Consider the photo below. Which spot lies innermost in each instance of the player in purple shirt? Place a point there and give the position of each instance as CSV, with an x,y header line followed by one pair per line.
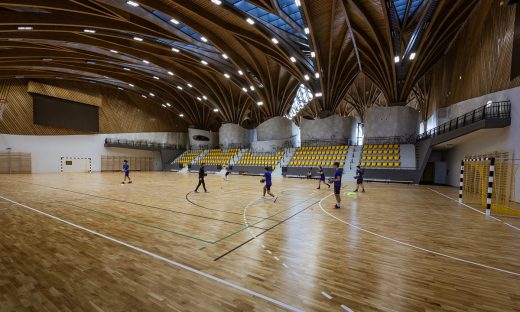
x,y
337,184
126,170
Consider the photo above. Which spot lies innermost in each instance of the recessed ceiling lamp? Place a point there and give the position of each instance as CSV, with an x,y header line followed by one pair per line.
x,y
274,40
132,3
156,78
92,31
203,39
204,62
396,59
176,22
293,59
25,28
260,103
250,21
217,2
138,39
176,50
412,56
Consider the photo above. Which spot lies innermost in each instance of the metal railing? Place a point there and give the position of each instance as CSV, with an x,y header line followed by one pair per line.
x,y
142,144
495,110
326,142
390,140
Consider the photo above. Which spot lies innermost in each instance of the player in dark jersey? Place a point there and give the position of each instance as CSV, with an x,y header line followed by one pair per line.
x,y
202,174
337,184
126,170
268,183
359,179
322,177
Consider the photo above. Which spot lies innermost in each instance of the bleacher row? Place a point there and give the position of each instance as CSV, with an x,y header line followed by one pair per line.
x,y
381,155
313,156
188,157
249,159
219,157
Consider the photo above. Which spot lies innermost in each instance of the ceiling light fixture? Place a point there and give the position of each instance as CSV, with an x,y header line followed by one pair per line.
x,y
396,59
114,51
146,62
179,87
313,54
319,94
306,77
215,110
224,55
244,89
227,75
306,30
204,97
138,39
293,59
151,94
260,103
176,22
168,104
252,88
203,39
131,85
176,50
412,56
189,85
199,99
132,3
204,62
274,40
181,115
241,73
317,75
156,78
25,28
250,21
170,73
92,31
126,68
217,2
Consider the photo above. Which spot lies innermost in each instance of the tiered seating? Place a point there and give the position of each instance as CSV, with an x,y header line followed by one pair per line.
x,y
188,157
219,157
381,156
252,160
313,156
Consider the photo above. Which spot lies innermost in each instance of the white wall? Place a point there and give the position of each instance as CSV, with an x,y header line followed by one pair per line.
x,y
391,121
213,138
502,140
334,127
46,151
233,134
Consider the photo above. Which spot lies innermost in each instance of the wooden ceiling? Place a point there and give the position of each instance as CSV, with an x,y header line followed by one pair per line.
x,y
224,76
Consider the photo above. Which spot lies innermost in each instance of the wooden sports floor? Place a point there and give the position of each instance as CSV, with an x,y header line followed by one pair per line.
x,y
84,242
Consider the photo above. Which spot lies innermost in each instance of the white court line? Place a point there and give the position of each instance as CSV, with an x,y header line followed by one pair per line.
x,y
344,307
495,218
326,295
158,257
413,246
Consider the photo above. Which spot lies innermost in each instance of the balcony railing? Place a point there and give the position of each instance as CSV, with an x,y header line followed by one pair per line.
x,y
141,144
495,110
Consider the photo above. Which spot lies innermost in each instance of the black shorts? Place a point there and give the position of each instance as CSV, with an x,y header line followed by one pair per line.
x,y
359,181
227,173
337,189
127,173
268,187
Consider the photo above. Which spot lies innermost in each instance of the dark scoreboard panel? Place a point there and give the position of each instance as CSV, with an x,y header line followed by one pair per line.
x,y
515,64
59,113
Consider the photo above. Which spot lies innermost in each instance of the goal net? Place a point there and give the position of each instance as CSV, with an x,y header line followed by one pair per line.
x,y
476,182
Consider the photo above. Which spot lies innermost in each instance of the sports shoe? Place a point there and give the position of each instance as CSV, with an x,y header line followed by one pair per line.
x,y
317,188
355,191
336,207
276,198
129,182
329,185
363,191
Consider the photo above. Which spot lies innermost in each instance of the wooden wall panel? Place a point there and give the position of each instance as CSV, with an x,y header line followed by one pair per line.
x,y
15,163
120,112
64,93
479,60
115,163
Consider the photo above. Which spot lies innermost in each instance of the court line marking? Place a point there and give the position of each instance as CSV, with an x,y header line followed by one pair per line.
x,y
158,257
344,307
326,295
414,246
475,209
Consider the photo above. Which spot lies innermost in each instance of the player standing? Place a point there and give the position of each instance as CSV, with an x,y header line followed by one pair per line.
x,y
322,177
202,174
228,172
126,170
359,179
337,184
